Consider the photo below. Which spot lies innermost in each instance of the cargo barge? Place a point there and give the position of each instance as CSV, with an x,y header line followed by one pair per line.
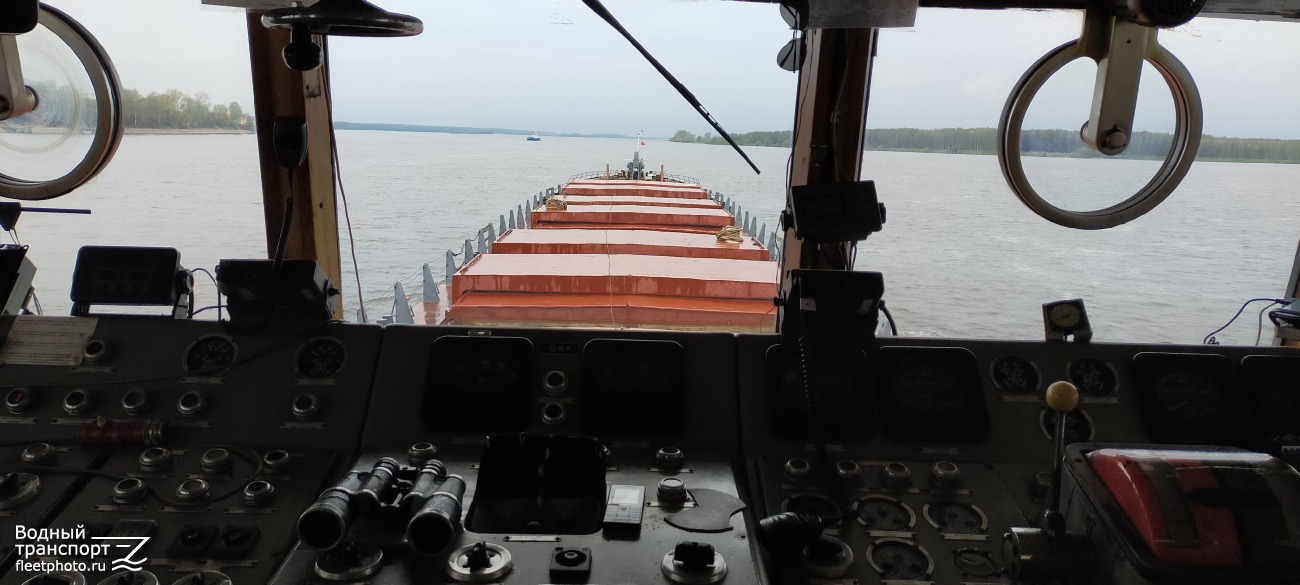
x,y
632,249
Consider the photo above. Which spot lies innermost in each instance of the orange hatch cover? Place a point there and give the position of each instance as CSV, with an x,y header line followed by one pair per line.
x,y
619,274
637,200
636,188
603,310
634,214
685,229
640,242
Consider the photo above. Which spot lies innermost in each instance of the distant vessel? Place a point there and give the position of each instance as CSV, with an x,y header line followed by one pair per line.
x,y
534,138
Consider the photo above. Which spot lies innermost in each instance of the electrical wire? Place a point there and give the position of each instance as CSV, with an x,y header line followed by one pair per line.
x,y
205,271
337,177
214,286
1260,333
240,451
808,377
1210,340
892,327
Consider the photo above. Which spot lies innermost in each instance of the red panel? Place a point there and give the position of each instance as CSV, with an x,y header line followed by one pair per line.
x,y
618,274
638,200
1216,541
637,214
564,225
638,188
646,243
479,308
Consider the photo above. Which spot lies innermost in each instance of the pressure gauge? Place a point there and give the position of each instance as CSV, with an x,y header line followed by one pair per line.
x,y
895,558
884,513
211,352
1064,316
320,357
955,517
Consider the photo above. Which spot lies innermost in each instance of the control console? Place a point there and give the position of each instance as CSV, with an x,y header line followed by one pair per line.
x,y
198,444
337,453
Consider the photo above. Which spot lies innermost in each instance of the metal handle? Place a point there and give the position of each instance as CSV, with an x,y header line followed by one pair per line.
x,y
16,99
108,111
1111,135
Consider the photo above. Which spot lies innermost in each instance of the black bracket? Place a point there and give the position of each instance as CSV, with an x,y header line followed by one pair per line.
x,y
19,16
832,306
838,212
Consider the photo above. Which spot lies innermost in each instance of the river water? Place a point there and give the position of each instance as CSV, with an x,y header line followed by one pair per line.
x,y
961,255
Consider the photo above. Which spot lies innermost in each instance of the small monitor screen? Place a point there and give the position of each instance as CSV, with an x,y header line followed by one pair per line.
x,y
624,495
1274,384
110,275
633,387
931,394
478,384
841,392
1193,399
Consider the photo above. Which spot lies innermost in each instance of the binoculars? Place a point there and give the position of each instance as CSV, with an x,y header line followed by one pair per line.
x,y
432,503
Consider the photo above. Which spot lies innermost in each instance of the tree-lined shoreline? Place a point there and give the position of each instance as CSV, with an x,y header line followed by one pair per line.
x,y
1065,143
176,110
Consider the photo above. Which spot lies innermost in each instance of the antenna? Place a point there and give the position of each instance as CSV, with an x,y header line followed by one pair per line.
x,y
603,12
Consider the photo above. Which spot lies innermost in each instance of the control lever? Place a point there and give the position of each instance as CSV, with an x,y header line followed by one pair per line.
x,y
478,557
789,532
324,524
1049,552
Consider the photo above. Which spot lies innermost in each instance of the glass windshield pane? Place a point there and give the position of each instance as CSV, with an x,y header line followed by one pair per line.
x,y
186,174
963,257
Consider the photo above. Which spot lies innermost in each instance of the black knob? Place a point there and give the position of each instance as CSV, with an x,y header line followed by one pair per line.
x,y
216,461
694,555
478,557
789,531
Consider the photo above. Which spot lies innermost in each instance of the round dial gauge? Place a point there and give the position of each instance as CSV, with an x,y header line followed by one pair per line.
x,y
321,357
975,561
955,517
1064,316
1092,377
1014,375
211,352
899,559
884,513
1078,425
812,504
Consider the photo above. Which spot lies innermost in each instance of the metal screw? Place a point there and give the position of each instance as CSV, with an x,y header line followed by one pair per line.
x,y
1115,139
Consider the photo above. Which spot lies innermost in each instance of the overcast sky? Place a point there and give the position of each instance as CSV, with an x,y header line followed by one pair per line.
x,y
551,65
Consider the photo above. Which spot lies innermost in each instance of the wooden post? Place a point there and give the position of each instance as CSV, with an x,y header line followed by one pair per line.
x,y
830,118
606,170
661,173
281,92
